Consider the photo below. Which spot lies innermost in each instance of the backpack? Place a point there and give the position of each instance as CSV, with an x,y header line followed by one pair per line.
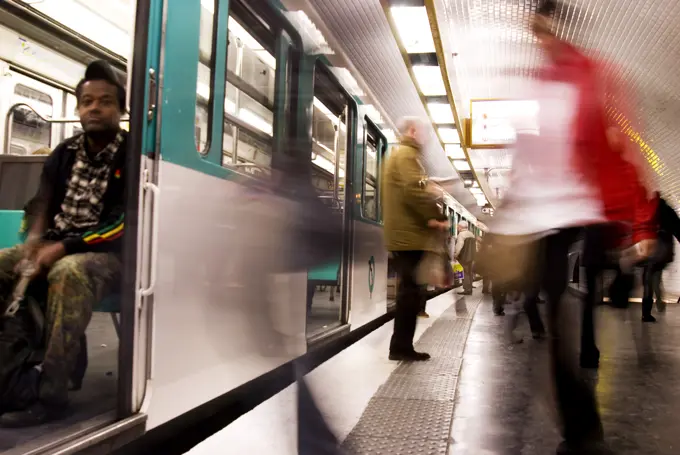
x,y
22,350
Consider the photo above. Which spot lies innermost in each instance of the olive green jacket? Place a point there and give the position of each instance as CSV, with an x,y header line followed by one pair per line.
x,y
407,205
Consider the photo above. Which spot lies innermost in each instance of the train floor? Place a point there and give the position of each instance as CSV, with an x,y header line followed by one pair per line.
x,y
96,397
479,394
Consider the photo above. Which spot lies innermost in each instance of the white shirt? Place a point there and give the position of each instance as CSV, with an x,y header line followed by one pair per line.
x,y
546,192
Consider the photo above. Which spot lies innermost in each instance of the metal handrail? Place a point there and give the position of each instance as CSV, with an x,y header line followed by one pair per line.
x,y
10,113
124,118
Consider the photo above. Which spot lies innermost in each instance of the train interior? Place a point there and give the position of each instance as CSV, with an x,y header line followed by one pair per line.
x,y
38,108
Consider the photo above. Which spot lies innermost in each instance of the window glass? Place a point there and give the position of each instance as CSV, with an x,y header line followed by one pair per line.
x,y
29,131
370,206
205,76
249,103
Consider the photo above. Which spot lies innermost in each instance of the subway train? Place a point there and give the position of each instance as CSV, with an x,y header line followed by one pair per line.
x,y
216,89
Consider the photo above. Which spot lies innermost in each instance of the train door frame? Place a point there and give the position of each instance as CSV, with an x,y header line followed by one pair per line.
x,y
351,122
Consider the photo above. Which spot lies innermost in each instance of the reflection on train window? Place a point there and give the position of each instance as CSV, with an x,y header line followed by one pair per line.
x,y
253,150
28,129
204,83
370,203
249,103
329,145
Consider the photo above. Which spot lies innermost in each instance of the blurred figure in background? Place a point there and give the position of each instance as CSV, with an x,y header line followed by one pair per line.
x,y
580,171
669,227
465,253
410,214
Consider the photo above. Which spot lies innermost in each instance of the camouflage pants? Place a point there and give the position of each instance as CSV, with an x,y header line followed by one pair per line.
x,y
75,284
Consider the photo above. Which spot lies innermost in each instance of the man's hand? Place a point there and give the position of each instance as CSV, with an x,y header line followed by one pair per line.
x,y
439,225
48,254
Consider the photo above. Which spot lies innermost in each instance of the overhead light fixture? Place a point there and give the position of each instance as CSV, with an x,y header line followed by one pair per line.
x,y
440,112
475,184
467,183
429,79
481,202
476,191
255,120
455,152
251,43
461,165
449,135
413,27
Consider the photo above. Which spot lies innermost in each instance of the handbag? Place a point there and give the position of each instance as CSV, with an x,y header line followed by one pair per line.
x,y
508,260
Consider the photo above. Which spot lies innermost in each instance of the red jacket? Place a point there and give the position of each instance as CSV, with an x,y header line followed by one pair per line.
x,y
613,164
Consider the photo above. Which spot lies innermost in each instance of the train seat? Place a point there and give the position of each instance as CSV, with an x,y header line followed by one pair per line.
x,y
326,274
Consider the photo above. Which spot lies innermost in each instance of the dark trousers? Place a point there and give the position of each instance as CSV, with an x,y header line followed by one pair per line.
x,y
410,301
652,285
576,401
498,295
467,277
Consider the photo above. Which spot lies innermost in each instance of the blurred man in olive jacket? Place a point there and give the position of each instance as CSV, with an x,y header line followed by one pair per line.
x,y
411,216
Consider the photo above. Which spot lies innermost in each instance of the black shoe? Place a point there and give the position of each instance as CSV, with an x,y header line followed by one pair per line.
x,y
465,293
500,312
36,414
660,306
409,356
586,448
648,318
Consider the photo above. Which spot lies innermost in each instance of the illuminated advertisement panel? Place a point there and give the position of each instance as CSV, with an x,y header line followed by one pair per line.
x,y
496,123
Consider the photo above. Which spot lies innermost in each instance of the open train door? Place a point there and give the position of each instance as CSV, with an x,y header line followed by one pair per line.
x,y
139,250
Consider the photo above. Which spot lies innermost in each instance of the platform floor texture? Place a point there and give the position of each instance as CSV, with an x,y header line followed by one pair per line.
x,y
479,394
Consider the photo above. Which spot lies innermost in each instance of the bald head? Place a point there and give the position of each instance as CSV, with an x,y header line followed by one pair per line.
x,y
412,128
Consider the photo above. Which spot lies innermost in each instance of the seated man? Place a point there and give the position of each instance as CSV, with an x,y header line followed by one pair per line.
x,y
76,224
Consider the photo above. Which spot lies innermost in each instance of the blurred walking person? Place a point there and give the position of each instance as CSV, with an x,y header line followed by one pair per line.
x,y
580,171
411,215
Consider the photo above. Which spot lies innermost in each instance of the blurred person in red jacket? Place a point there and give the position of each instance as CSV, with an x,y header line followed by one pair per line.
x,y
581,171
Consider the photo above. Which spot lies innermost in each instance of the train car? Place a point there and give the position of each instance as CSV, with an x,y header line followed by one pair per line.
x,y
217,92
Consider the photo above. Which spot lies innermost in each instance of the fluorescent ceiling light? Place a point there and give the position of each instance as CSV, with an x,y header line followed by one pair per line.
x,y
87,22
461,165
481,202
440,112
467,183
255,120
449,135
429,79
455,152
476,191
413,27
327,165
327,112
250,42
475,184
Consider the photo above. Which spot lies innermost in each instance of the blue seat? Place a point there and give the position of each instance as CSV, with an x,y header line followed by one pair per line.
x,y
10,235
325,274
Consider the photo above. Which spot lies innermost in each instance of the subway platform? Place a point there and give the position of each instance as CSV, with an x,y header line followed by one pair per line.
x,y
478,395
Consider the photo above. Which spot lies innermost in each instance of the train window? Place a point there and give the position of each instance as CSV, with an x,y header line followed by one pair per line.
x,y
329,172
369,199
249,103
205,80
29,131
